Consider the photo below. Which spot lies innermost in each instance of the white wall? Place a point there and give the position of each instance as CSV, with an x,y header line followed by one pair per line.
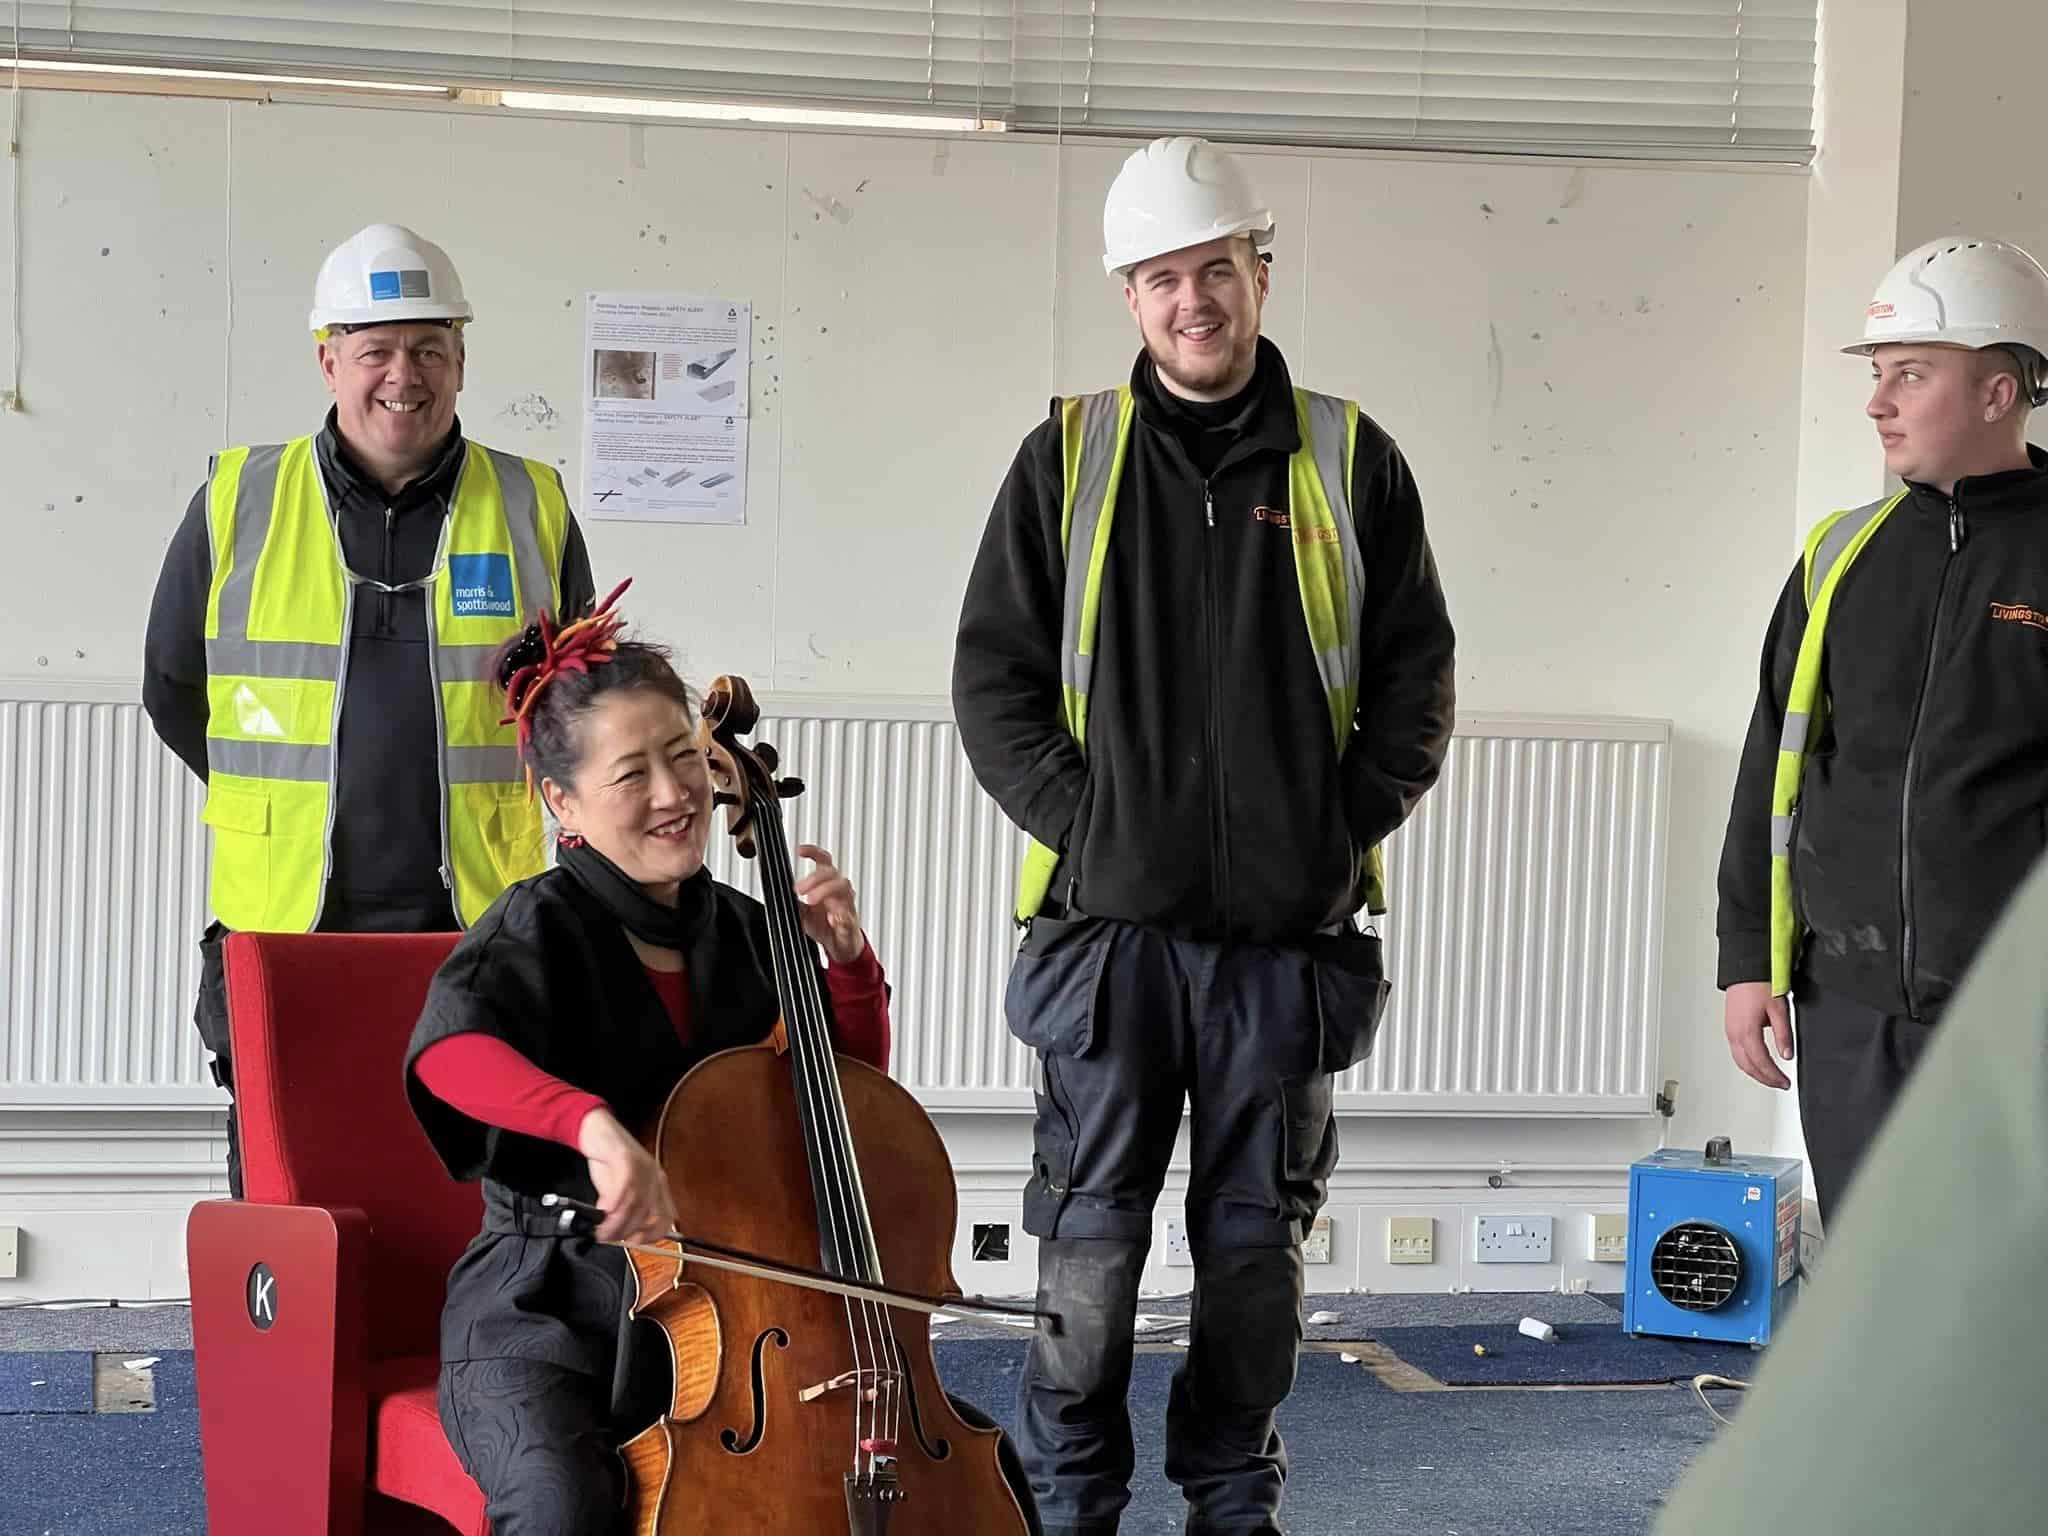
x,y
1971,158
1596,372
1851,238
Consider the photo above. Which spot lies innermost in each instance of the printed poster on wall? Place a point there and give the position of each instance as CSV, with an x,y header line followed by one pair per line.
x,y
665,408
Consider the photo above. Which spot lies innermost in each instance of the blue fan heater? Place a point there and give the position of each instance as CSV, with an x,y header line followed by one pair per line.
x,y
1713,1244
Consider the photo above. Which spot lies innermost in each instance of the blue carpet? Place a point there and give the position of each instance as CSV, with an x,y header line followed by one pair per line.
x,y
1364,1458
985,1373
46,1383
91,1474
1479,1463
1583,1354
1367,1459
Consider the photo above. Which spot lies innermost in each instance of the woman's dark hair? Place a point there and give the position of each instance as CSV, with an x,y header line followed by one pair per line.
x,y
555,702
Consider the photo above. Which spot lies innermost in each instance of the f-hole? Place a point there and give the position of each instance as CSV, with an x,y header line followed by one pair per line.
x,y
730,1438
937,1449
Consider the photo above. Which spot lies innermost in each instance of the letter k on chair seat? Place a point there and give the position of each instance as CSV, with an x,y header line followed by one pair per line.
x,y
316,1300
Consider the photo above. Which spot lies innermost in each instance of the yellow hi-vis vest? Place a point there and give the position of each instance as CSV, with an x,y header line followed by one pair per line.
x,y
1831,549
278,620
1094,433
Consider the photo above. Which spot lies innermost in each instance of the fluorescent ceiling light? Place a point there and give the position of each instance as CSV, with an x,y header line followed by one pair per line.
x,y
737,112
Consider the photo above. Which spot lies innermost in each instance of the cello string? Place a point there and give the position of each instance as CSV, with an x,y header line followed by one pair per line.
x,y
779,897
830,1135
796,986
890,1387
888,1402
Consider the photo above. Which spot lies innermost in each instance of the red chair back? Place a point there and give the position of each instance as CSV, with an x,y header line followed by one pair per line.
x,y
320,1024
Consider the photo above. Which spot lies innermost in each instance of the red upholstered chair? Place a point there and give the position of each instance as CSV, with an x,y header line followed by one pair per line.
x,y
316,1299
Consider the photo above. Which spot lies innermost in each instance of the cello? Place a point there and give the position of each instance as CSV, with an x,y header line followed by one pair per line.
x,y
800,1411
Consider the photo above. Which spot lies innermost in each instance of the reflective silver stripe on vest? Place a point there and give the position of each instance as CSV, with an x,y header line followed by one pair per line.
x,y
1833,542
485,765
1091,481
255,498
522,516
465,663
1327,435
1781,837
1793,737
268,759
307,659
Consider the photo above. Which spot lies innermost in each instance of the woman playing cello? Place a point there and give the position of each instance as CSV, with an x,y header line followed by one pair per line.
x,y
561,1021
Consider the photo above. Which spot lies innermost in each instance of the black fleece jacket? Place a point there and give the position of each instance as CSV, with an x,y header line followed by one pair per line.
x,y
1922,806
1212,801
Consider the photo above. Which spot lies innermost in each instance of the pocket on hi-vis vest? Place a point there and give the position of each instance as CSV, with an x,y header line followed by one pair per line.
x,y
240,819
482,586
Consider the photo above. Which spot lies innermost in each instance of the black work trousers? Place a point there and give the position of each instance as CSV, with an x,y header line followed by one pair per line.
x,y
210,1014
1130,1026
1851,1061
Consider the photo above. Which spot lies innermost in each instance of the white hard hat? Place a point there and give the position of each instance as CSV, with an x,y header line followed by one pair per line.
x,y
386,273
1965,293
1175,193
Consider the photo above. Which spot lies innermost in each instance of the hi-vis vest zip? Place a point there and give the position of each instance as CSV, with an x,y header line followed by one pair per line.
x,y
278,621
1094,433
1831,549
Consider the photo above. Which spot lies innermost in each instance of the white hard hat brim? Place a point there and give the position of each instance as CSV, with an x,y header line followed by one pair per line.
x,y
1259,226
1971,337
391,312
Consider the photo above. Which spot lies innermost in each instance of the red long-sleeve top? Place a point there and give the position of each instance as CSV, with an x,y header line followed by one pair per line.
x,y
490,1081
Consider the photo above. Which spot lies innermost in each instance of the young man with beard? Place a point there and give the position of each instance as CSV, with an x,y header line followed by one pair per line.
x,y
1204,661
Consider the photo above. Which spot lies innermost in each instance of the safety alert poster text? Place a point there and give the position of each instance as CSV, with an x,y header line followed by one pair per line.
x,y
665,408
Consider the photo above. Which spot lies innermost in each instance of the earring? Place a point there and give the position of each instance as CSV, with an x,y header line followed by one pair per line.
x,y
569,840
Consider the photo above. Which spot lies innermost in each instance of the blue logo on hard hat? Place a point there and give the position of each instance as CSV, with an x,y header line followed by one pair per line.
x,y
406,284
482,586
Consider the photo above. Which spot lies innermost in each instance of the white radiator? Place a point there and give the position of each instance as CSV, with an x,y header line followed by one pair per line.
x,y
102,901
1526,922
1523,944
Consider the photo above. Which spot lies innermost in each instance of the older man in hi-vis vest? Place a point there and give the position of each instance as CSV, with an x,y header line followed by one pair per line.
x,y
318,645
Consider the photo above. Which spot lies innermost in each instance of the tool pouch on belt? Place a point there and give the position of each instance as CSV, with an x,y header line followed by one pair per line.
x,y
1351,994
1050,999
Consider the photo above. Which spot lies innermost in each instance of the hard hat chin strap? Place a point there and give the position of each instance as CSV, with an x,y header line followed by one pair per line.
x,y
2033,373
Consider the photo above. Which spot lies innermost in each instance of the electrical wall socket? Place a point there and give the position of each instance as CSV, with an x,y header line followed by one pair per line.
x,y
1411,1239
1315,1248
10,1252
1176,1246
1609,1238
1513,1240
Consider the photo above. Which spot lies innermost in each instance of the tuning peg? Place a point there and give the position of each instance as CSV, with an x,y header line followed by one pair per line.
x,y
721,797
789,789
768,756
